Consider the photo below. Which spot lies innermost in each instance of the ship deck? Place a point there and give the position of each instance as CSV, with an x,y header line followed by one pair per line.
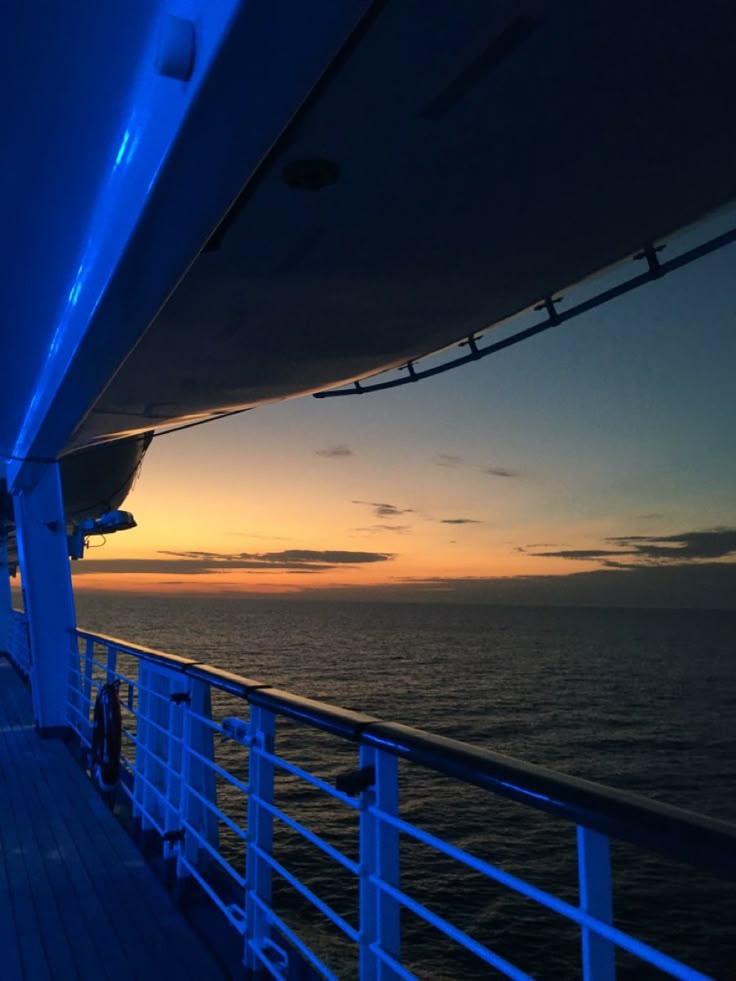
x,y
77,900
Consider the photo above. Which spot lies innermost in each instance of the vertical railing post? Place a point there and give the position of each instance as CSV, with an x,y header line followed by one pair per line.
x,y
172,752
156,801
112,664
89,656
596,898
188,848
140,771
379,860
259,834
198,746
75,715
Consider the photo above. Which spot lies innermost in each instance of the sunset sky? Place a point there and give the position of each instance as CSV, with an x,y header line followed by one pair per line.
x,y
594,463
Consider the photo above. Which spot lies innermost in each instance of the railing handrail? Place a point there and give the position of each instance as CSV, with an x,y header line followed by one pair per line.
x,y
703,842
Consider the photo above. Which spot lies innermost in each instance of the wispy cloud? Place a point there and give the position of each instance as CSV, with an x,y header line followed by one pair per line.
x,y
500,472
377,529
335,452
383,510
460,521
525,548
255,536
448,460
455,461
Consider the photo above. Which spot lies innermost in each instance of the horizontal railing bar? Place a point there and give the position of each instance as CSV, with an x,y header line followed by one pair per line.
x,y
75,674
520,886
310,836
236,922
309,778
116,674
151,786
305,891
146,653
149,816
139,687
220,859
461,938
146,720
83,739
293,938
329,718
214,809
706,843
393,963
210,723
148,751
184,665
218,769
512,882
78,713
269,965
134,740
624,940
702,841
78,694
233,684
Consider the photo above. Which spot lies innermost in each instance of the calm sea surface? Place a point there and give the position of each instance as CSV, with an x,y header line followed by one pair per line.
x,y
643,700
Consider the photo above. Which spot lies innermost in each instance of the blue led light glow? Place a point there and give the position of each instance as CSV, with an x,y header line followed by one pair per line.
x,y
76,288
121,151
100,228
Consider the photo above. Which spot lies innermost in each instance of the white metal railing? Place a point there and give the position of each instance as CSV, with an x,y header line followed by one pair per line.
x,y
182,789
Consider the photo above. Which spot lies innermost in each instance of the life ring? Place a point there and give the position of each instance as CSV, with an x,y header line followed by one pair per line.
x,y
107,737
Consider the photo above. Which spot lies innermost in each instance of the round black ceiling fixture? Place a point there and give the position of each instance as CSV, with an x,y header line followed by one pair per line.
x,y
311,175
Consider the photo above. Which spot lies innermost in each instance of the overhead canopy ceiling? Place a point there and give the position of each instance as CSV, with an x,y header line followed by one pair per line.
x,y
458,162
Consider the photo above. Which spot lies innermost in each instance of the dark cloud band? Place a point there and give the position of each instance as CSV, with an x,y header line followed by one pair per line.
x,y
688,546
204,563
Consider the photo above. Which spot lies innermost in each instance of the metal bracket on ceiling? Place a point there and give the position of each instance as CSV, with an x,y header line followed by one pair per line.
x,y
649,252
655,270
548,304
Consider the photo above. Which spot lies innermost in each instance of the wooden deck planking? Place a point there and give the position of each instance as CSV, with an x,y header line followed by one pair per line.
x,y
90,913
87,819
12,964
77,900
24,907
61,916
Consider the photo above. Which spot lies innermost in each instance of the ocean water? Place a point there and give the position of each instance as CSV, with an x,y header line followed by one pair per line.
x,y
643,700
